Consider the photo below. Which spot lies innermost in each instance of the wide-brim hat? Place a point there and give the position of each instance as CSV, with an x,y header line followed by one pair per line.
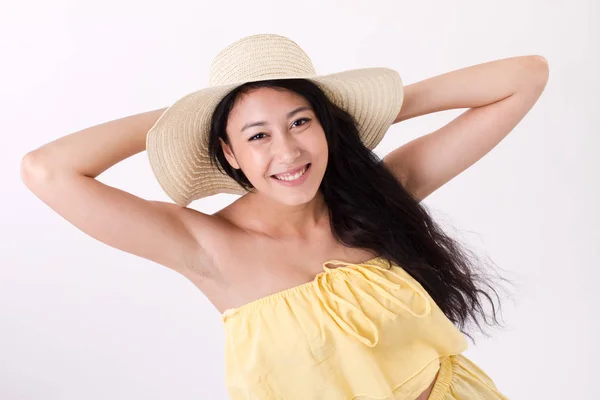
x,y
177,144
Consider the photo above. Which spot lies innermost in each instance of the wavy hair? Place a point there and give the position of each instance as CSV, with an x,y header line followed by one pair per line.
x,y
370,209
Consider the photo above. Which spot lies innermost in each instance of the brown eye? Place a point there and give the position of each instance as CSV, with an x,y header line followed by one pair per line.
x,y
256,137
302,119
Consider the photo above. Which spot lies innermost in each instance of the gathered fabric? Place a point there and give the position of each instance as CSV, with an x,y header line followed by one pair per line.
x,y
356,331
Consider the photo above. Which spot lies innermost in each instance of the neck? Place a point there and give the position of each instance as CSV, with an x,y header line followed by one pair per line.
x,y
283,222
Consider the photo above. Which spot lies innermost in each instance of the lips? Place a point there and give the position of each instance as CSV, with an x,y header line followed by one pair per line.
x,y
291,172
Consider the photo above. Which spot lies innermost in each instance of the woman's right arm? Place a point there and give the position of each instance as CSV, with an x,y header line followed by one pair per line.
x,y
62,174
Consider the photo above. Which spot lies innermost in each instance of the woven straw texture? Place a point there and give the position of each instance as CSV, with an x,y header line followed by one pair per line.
x,y
177,144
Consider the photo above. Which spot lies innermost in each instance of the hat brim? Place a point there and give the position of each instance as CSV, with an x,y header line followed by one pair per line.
x,y
177,144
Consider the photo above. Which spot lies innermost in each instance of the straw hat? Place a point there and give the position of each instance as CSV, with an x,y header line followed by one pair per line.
x,y
177,143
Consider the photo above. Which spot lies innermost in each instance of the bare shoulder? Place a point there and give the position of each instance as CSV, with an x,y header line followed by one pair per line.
x,y
218,237
224,246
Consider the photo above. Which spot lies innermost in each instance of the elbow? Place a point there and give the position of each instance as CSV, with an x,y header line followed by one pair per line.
x,y
543,67
541,60
32,169
539,71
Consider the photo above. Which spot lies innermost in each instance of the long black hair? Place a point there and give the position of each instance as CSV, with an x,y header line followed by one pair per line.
x,y
370,209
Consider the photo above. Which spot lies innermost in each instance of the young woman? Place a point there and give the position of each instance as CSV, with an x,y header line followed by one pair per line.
x,y
332,279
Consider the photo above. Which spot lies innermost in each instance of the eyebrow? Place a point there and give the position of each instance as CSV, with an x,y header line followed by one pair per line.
x,y
263,123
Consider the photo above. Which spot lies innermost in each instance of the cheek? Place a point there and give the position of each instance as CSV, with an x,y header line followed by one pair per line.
x,y
314,140
319,154
320,147
254,163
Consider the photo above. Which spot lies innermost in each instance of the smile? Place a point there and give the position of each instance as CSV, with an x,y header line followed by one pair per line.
x,y
293,179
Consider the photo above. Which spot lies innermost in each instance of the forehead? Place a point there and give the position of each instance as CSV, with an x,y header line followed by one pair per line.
x,y
265,104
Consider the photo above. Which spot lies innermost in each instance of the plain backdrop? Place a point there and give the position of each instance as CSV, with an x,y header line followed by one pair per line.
x,y
81,320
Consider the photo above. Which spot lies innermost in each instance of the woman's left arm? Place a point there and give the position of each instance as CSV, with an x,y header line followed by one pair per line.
x,y
498,94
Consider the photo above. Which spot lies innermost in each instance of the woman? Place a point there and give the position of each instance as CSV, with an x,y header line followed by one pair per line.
x,y
333,281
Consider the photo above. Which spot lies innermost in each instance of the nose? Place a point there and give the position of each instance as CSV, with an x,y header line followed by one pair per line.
x,y
286,149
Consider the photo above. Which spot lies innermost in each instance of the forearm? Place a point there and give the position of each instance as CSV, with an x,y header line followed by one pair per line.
x,y
93,150
474,86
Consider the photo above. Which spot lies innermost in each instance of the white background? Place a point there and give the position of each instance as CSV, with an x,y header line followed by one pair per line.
x,y
81,320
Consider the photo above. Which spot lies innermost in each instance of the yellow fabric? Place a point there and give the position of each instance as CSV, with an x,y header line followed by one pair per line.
x,y
459,378
357,331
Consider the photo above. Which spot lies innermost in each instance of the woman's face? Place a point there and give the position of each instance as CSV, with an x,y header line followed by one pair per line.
x,y
273,132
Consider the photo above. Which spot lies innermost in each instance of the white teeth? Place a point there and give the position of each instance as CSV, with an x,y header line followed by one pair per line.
x,y
288,177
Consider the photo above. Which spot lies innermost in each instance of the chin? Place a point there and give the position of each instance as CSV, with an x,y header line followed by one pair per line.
x,y
296,199
292,197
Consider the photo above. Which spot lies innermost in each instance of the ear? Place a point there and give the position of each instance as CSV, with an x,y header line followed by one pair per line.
x,y
228,152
